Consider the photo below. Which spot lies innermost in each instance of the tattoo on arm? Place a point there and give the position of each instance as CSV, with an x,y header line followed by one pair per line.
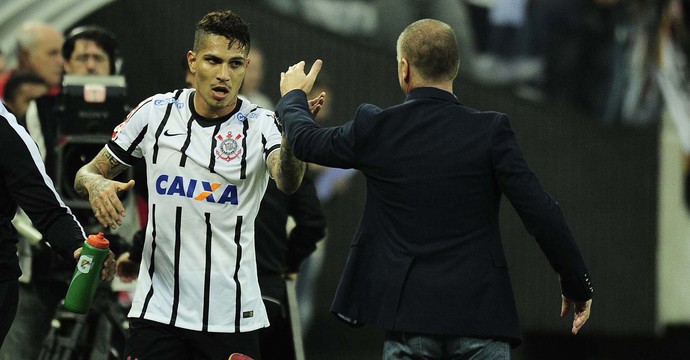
x,y
110,166
103,166
287,169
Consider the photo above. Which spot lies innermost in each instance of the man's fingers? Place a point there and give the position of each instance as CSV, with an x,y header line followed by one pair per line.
x,y
299,67
577,324
580,319
582,312
565,306
314,71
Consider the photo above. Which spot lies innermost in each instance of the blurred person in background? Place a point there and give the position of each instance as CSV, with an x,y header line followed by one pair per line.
x,y
3,63
395,15
279,254
38,51
254,79
634,97
506,59
20,90
87,50
673,255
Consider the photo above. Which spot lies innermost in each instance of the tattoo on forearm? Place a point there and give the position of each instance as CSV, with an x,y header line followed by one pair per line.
x,y
80,182
110,166
291,169
103,166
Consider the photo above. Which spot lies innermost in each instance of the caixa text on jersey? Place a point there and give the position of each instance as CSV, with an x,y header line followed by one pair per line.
x,y
196,189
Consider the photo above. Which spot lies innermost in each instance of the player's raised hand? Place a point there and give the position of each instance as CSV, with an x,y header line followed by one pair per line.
x,y
316,103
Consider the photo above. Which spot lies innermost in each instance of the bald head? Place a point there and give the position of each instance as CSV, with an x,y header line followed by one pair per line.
x,y
39,49
431,50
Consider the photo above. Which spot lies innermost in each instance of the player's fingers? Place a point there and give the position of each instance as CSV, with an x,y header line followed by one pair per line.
x,y
125,186
315,110
109,213
99,214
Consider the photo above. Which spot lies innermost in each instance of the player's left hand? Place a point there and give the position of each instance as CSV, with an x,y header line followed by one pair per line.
x,y
316,103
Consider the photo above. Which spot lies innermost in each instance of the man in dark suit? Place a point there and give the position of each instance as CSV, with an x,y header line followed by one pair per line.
x,y
426,263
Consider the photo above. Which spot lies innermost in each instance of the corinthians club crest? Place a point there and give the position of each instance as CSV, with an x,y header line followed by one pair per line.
x,y
229,146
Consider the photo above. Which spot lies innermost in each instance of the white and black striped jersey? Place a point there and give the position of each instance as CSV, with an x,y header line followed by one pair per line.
x,y
206,178
24,183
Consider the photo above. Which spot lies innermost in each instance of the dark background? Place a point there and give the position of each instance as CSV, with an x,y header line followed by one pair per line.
x,y
603,177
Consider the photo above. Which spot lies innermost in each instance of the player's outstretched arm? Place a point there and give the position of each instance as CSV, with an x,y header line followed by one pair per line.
x,y
93,181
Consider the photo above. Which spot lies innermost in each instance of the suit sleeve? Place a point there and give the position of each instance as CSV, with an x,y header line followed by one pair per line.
x,y
539,212
310,224
333,146
34,192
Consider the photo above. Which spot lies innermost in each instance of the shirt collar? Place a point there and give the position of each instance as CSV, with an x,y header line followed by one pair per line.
x,y
431,92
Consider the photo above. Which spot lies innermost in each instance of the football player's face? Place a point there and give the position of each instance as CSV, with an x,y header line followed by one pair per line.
x,y
218,67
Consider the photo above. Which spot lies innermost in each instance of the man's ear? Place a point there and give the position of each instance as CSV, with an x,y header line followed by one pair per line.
x,y
404,70
191,61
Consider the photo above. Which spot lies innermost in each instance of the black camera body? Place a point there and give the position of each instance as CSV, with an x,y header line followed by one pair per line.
x,y
91,104
87,111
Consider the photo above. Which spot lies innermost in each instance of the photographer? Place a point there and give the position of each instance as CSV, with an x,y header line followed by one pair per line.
x,y
87,50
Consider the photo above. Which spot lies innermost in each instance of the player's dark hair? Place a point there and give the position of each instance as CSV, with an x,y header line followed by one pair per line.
x,y
223,23
101,36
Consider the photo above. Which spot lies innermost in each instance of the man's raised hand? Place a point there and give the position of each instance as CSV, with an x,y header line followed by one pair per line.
x,y
296,78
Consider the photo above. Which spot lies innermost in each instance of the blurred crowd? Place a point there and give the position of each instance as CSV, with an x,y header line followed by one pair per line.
x,y
621,62
597,56
600,56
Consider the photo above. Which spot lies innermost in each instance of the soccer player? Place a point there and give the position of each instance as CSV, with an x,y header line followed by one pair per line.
x,y
208,159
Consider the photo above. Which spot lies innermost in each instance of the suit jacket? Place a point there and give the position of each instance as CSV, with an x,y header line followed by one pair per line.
x,y
427,255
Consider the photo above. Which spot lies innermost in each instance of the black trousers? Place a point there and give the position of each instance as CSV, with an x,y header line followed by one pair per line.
x,y
276,340
150,340
9,297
